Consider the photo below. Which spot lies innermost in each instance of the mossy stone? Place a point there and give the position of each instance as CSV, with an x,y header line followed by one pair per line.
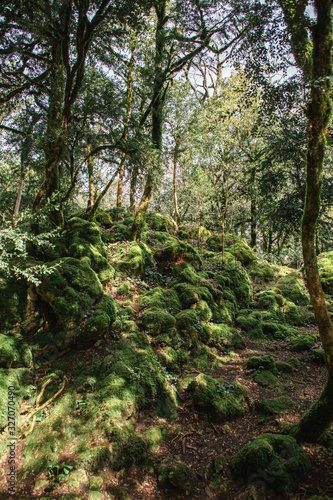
x,y
78,480
14,353
303,342
96,483
222,336
265,362
266,379
203,311
325,266
187,319
216,399
319,356
161,299
157,321
13,303
283,367
275,459
133,259
262,270
182,477
173,359
124,289
237,280
293,289
275,406
159,222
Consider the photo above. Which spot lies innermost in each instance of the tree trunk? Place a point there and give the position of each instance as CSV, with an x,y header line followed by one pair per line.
x,y
140,216
134,178
177,216
320,415
19,194
253,223
120,181
90,176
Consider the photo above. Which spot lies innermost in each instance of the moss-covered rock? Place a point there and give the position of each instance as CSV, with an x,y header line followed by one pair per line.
x,y
160,298
187,319
190,294
292,288
173,359
262,270
319,356
266,379
13,303
14,353
179,475
237,280
302,342
15,383
84,241
275,459
275,406
159,222
133,258
203,311
221,336
325,266
157,321
169,249
217,399
265,362
70,289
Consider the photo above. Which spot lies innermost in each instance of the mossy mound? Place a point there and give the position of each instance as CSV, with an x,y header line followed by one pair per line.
x,y
157,321
133,259
13,303
169,249
179,475
14,353
173,359
266,379
103,219
275,459
190,294
275,406
159,222
84,241
203,311
265,362
160,298
17,379
292,288
302,342
221,336
325,266
237,280
70,289
234,245
217,399
117,233
200,233
319,356
262,270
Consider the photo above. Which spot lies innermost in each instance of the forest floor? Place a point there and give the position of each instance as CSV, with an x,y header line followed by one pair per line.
x,y
206,446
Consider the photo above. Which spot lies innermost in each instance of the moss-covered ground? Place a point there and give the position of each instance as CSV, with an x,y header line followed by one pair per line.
x,y
152,365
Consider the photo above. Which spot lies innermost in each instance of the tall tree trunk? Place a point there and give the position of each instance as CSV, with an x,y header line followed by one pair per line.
x,y
320,415
175,198
19,193
134,178
253,223
157,118
129,96
90,176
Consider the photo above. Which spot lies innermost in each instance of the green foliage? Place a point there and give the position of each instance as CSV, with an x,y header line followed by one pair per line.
x,y
283,460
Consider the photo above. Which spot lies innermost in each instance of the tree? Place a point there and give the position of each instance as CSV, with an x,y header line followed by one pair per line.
x,y
315,60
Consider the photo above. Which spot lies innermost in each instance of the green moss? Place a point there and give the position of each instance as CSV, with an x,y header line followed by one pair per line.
x,y
84,240
262,270
217,399
278,331
162,299
179,475
202,358
159,222
283,367
157,321
133,258
292,288
124,289
265,362
272,456
168,250
325,266
221,336
173,359
18,380
319,356
266,378
203,311
237,280
14,353
187,320
295,362
302,342
275,406
13,303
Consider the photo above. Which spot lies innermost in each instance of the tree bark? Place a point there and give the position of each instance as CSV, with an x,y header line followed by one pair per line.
x,y
175,198
90,176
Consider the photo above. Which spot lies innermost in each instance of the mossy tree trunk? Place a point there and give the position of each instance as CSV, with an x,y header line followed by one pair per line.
x,y
175,198
134,179
320,415
90,176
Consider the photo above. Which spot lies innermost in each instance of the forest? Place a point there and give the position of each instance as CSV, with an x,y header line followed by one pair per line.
x,y
166,252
